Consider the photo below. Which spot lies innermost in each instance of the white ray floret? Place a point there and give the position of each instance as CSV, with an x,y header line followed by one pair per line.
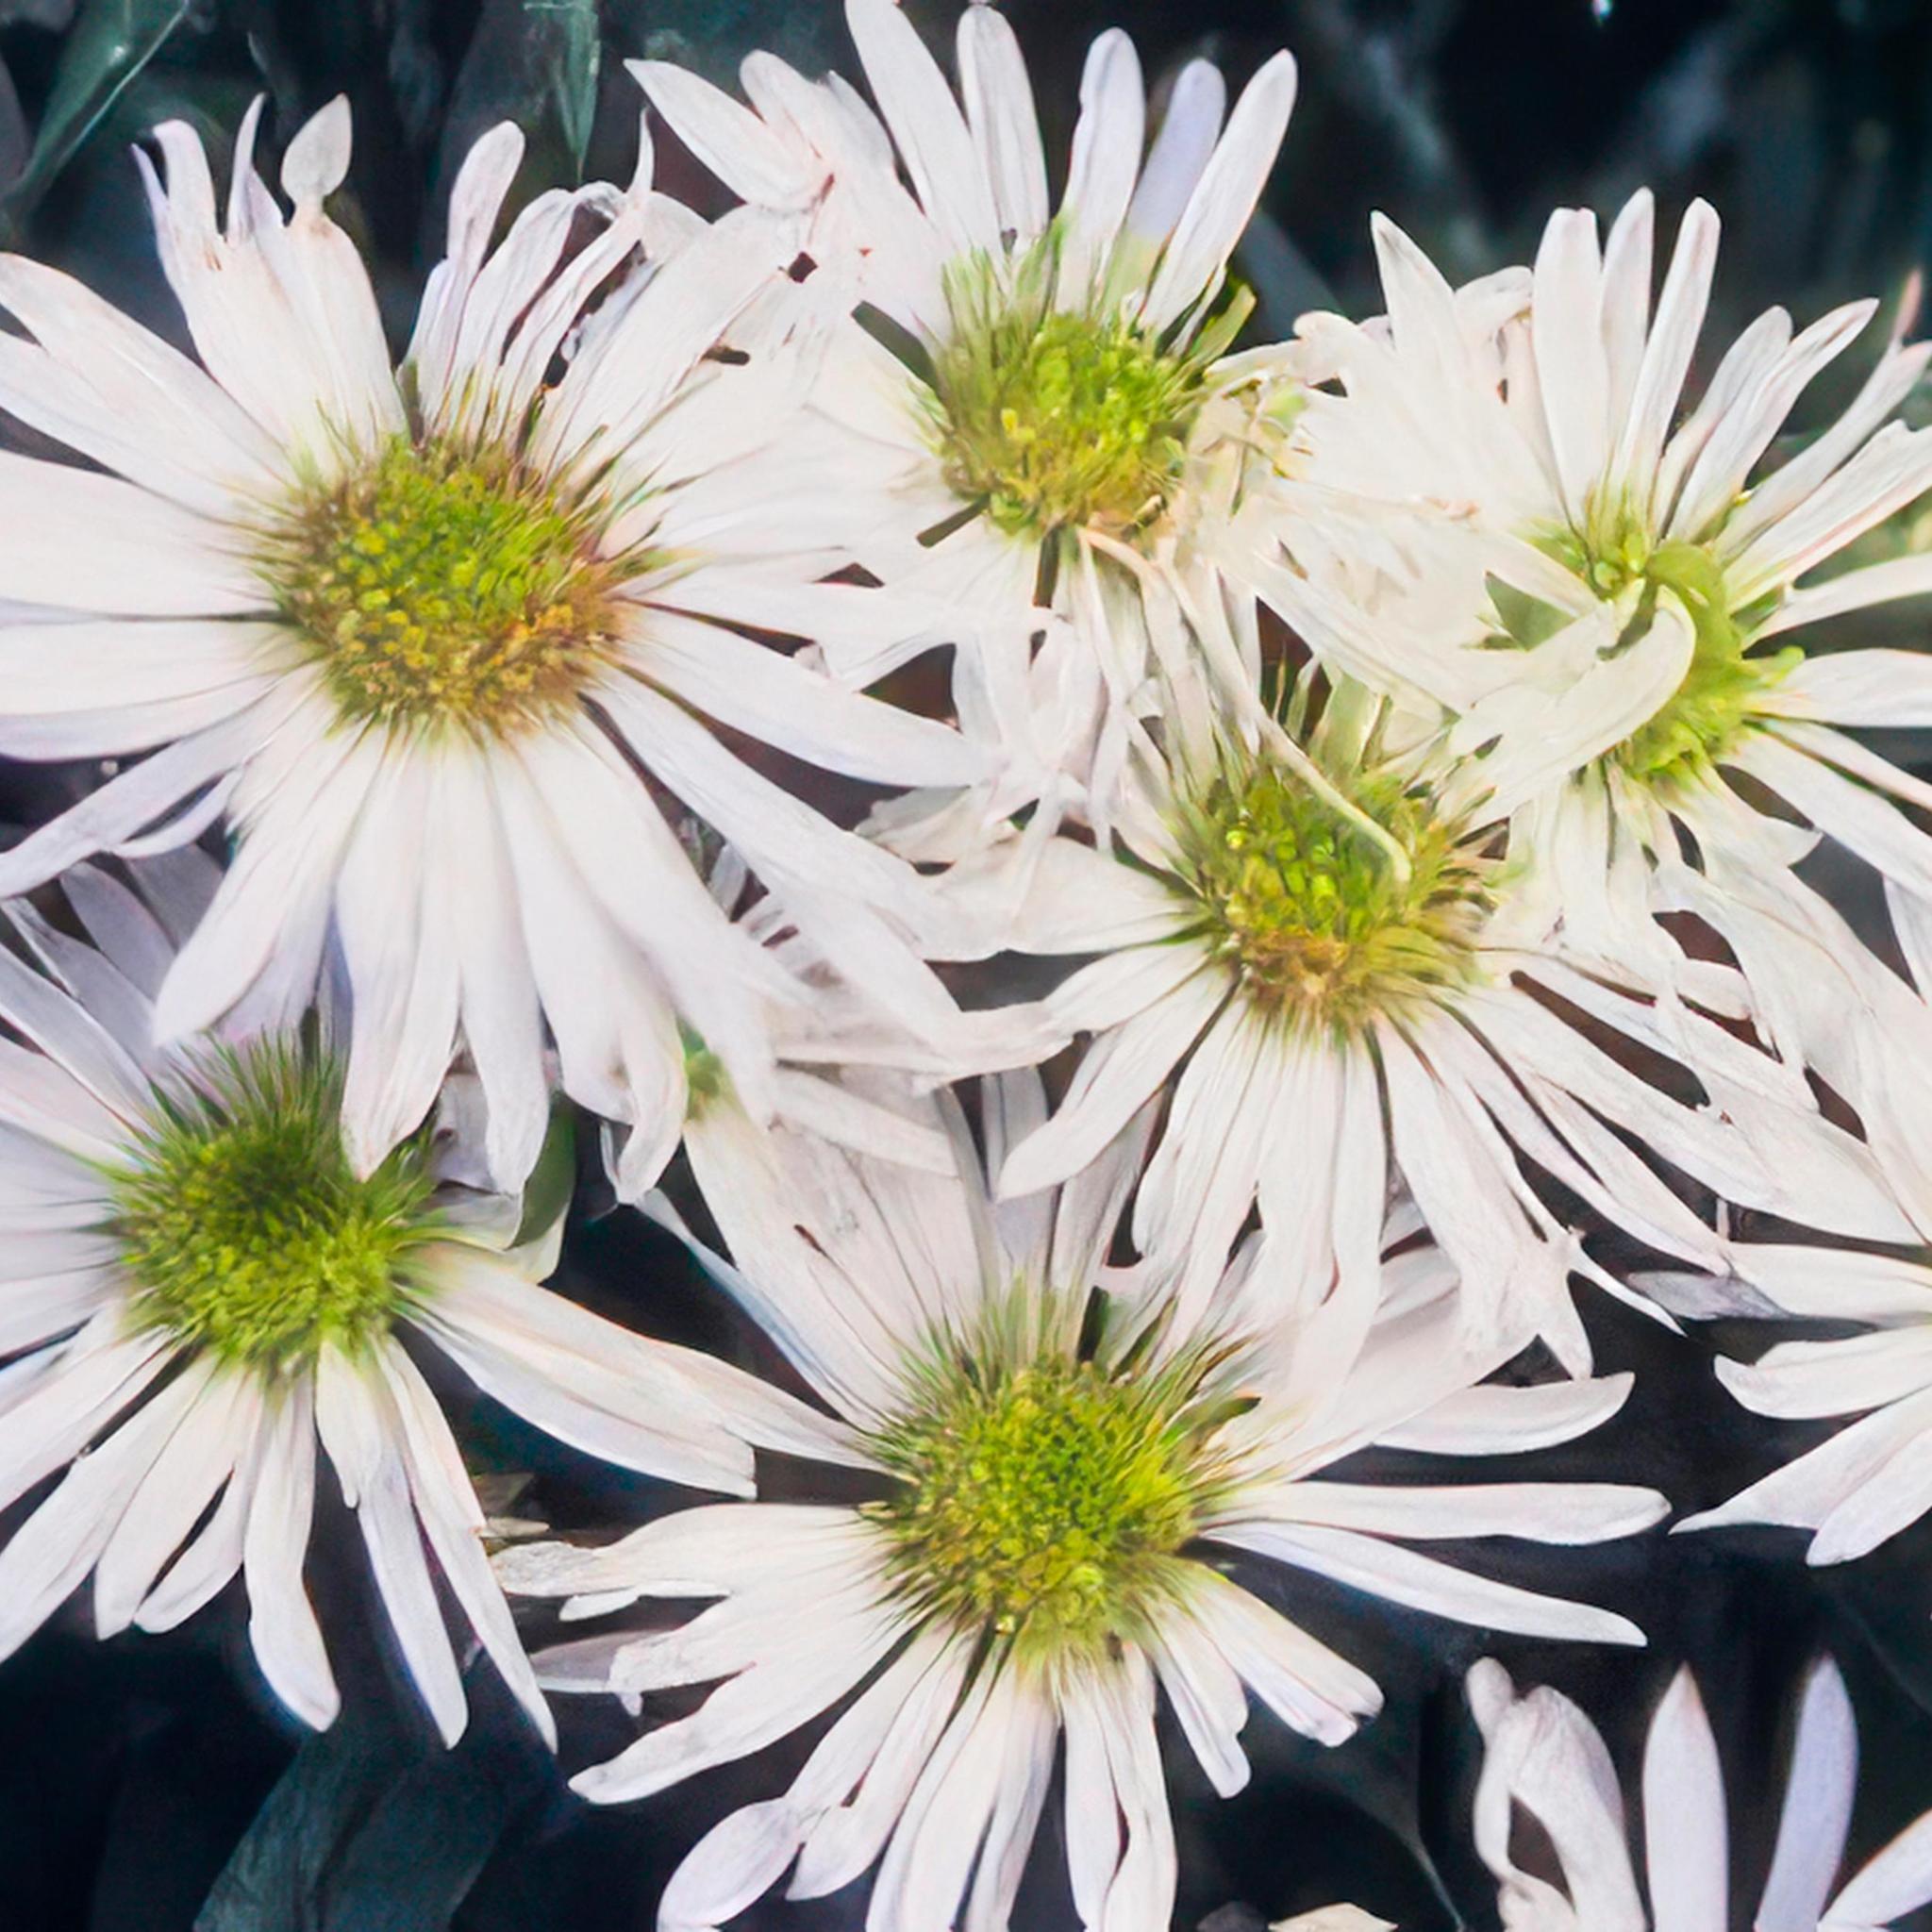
x,y
1040,406
201,1298
1868,1481
416,633
1505,505
1048,1544
1545,1759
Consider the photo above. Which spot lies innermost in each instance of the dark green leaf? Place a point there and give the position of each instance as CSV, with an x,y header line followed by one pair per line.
x,y
1528,620
271,1883
534,62
51,14
415,1861
547,1193
713,36
111,43
13,138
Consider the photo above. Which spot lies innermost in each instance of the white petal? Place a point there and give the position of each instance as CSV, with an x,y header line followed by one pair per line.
x,y
1403,1577
359,1428
1817,1811
1686,1837
1004,124
281,1620
1224,196
1897,1881
919,107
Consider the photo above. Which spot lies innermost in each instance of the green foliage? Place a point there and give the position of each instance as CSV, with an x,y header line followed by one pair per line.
x,y
245,1230
554,1179
108,45
375,1827
437,586
536,62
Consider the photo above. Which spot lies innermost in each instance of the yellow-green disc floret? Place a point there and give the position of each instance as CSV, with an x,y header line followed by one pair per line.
x,y
243,1229
1055,418
1042,1502
1713,707
436,584
1309,908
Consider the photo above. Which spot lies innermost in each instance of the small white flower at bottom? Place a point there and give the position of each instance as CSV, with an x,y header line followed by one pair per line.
x,y
197,1289
1057,1499
1544,1756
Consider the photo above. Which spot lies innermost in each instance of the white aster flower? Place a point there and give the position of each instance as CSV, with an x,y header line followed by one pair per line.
x,y
1047,1544
1039,393
199,1290
1545,1759
1312,944
429,637
1604,597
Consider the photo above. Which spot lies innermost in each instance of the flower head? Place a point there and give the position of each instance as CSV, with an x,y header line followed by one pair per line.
x,y
1060,1488
1309,933
202,1288
438,641
1501,507
1022,415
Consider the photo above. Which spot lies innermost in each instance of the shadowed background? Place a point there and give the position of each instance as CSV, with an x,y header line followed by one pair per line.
x,y
152,1784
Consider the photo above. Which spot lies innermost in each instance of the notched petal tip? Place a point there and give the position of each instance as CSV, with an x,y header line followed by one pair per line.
x,y
317,160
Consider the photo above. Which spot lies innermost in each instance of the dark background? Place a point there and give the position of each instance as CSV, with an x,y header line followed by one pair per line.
x,y
137,1775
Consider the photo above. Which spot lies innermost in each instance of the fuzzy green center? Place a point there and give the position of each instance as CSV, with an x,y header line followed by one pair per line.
x,y
1311,910
243,1229
1053,417
1043,1502
442,586
1712,706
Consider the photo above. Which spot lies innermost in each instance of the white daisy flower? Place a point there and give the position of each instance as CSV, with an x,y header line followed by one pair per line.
x,y
1056,1500
1016,431
1311,947
429,639
1544,1758
1605,597
200,1289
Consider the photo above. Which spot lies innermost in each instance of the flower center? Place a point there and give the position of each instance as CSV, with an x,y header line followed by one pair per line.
x,y
1042,1501
1312,908
245,1230
1710,709
1053,418
440,584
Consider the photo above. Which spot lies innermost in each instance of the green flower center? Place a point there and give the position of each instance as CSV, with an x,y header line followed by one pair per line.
x,y
1042,1502
1312,911
438,585
243,1229
1053,418
1713,706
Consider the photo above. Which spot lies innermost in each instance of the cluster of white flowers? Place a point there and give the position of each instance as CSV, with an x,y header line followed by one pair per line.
x,y
1404,726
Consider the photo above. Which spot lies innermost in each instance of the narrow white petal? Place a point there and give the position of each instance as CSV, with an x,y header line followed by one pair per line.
x,y
1686,1836
1817,1811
